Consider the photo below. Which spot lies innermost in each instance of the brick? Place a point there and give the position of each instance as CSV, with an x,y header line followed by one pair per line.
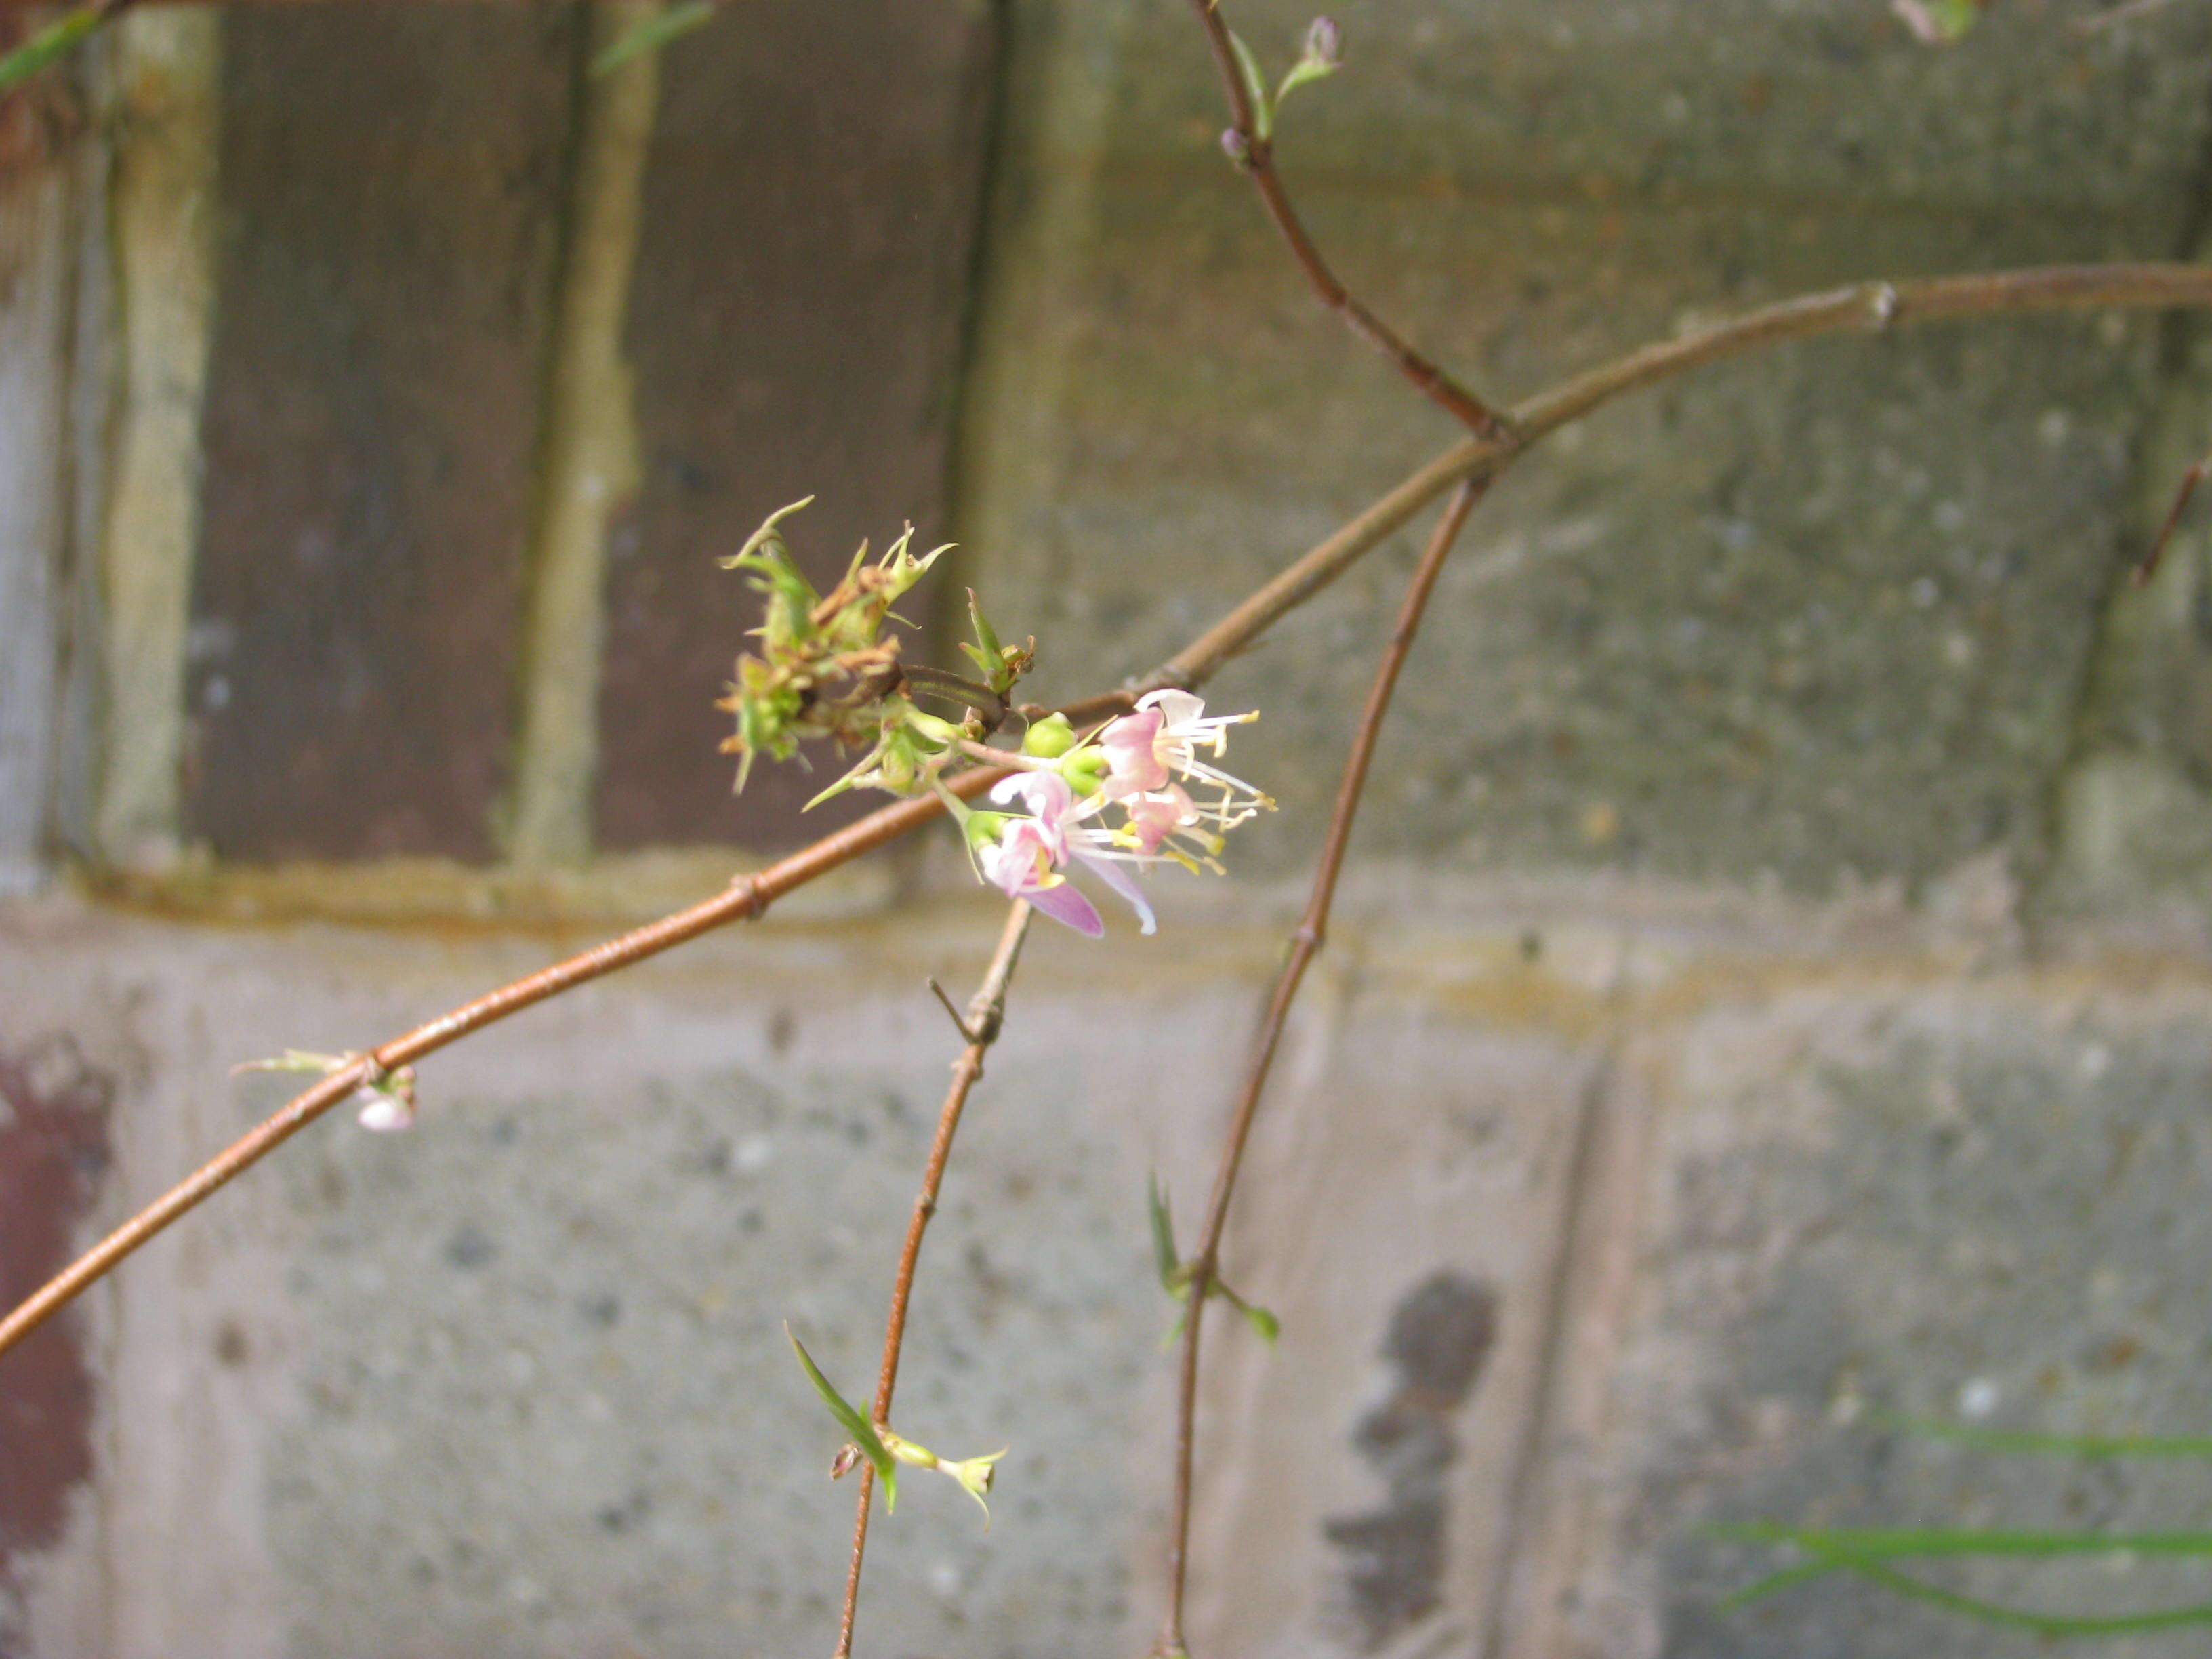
x,y
811,201
373,415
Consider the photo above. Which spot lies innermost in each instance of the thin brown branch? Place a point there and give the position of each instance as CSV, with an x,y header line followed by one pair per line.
x,y
746,896
1867,306
1256,155
1305,944
1864,306
986,1013
2148,566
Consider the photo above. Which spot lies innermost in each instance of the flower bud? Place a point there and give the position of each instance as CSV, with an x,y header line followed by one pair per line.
x,y
942,732
983,828
973,1475
1048,739
1324,44
847,1460
1235,146
1085,770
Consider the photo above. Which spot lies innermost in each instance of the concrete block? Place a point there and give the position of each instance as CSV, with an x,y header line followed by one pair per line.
x,y
1815,617
1831,1210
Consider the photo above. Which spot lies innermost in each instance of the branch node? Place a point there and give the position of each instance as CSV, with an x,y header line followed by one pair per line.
x,y
953,1013
756,896
373,1073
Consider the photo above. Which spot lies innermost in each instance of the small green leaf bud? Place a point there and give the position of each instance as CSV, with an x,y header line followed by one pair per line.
x,y
1048,739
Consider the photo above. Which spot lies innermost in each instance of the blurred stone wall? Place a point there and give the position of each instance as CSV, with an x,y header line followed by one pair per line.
x,y
1771,996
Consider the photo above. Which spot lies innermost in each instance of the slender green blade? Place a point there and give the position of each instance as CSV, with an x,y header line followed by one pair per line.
x,y
2069,1445
863,1431
2042,1624
653,34
987,637
1305,70
1777,1580
1888,1542
1163,1244
54,41
1255,87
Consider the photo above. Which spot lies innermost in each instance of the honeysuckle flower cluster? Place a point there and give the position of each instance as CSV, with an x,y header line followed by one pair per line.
x,y
1140,790
1119,800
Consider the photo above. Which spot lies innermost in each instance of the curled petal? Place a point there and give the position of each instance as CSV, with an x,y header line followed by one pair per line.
x,y
1125,885
1177,708
1154,816
1044,794
1066,905
1022,858
1132,759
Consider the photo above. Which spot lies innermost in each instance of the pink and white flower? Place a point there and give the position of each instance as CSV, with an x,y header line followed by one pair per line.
x,y
1162,741
1029,849
1148,756
1024,863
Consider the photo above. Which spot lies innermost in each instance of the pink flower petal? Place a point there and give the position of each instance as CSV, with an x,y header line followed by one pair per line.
x,y
1132,761
1125,885
1065,905
1154,816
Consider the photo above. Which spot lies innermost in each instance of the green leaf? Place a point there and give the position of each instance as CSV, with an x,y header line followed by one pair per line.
x,y
862,1431
1258,1318
2042,1624
1163,1244
1883,1543
1305,70
1866,1551
1775,1581
654,32
2070,1445
54,41
1256,88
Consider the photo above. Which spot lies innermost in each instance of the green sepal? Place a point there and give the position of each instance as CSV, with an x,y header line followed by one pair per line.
x,y
985,640
767,535
863,1431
